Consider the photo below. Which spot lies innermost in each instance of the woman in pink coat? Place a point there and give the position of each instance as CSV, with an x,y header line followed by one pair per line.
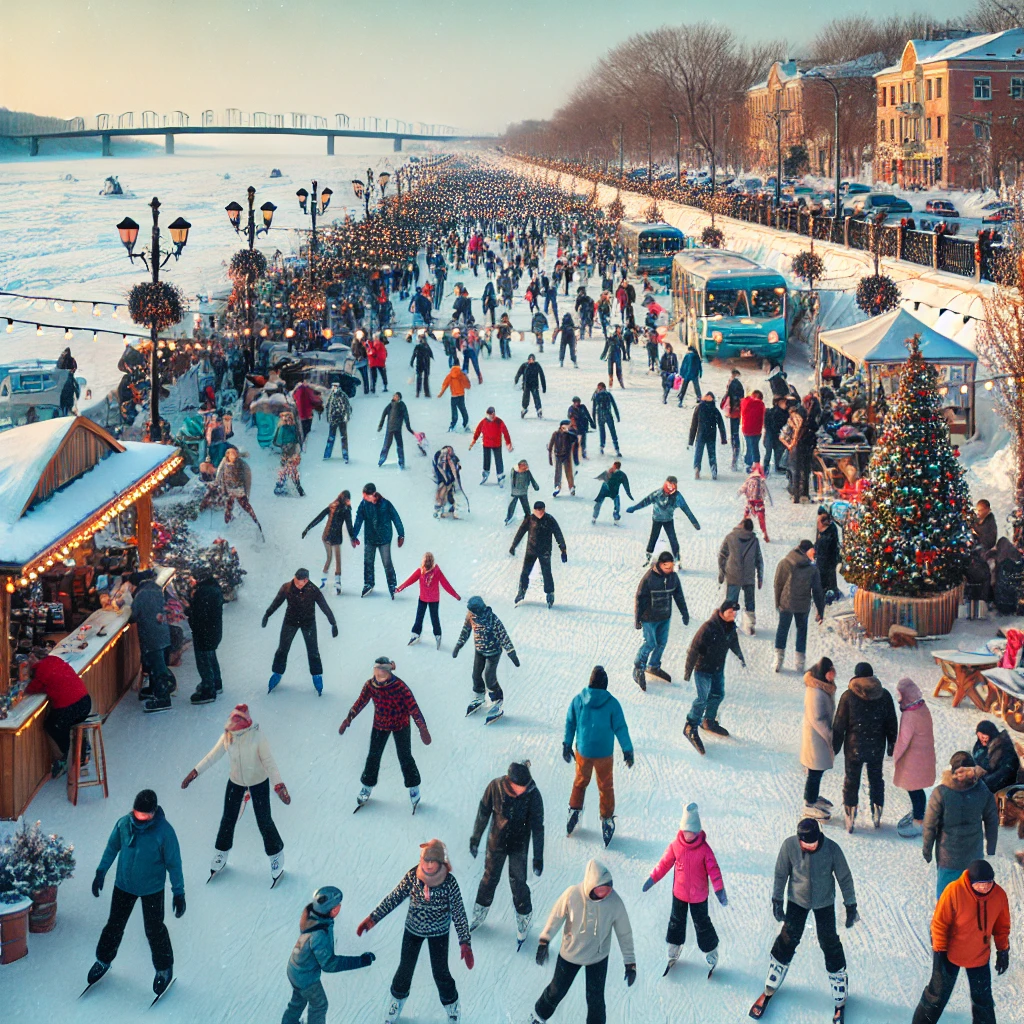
x,y
431,580
913,756
694,864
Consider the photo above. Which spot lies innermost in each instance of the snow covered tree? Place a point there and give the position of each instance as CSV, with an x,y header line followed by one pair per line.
x,y
910,533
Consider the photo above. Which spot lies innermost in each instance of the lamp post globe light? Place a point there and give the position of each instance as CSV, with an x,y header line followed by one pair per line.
x,y
154,260
250,232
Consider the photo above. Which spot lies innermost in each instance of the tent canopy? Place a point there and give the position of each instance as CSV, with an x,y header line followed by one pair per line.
x,y
882,339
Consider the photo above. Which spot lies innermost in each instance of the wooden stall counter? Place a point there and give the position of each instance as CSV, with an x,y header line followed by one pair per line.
x,y
24,756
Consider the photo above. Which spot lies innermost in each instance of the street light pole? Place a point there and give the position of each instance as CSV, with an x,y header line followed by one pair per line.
x,y
250,232
837,209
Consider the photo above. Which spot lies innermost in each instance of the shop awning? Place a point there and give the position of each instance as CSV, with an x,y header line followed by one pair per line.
x,y
882,339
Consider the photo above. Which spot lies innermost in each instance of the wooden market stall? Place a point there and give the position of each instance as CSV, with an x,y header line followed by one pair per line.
x,y
75,512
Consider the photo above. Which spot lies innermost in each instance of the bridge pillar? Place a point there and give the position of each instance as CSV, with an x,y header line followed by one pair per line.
x,y
105,140
169,143
33,146
330,145
398,143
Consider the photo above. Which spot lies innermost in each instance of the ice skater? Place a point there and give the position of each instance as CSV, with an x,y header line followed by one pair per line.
x,y
665,501
431,579
522,481
540,529
490,638
339,518
301,598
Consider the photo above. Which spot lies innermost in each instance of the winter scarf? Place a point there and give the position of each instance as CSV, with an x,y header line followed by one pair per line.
x,y
436,852
810,679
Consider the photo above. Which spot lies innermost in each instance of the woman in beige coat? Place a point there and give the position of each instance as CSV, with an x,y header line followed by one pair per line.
x,y
816,741
913,756
252,772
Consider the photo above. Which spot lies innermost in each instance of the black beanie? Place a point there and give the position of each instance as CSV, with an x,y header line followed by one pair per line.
x,y
519,773
805,546
808,831
820,669
726,605
145,802
980,871
863,670
598,678
988,728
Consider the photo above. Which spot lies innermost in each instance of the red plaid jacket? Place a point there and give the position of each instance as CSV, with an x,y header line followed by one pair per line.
x,y
393,704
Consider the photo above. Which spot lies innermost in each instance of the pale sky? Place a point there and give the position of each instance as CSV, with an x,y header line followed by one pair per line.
x,y
475,64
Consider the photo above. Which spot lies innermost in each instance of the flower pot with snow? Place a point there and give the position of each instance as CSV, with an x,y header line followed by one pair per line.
x,y
14,929
43,915
32,865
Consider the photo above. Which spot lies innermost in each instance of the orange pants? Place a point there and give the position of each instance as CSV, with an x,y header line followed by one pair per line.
x,y
585,767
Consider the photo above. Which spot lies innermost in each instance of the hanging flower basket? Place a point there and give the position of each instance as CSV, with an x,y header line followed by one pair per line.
x,y
808,266
155,305
712,238
877,294
247,266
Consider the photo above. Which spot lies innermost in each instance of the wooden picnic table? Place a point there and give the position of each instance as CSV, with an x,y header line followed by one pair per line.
x,y
1008,703
962,674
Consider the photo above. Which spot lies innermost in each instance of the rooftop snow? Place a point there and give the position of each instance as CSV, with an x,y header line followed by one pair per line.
x,y
24,454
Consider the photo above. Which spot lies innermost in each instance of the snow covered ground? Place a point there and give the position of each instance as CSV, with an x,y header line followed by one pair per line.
x,y
232,944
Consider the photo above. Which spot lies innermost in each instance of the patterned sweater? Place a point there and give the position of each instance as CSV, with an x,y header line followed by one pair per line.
x,y
393,703
427,917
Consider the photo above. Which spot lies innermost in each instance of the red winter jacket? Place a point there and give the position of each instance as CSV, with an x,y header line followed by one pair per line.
x,y
493,431
303,397
430,584
751,416
376,354
59,681
393,704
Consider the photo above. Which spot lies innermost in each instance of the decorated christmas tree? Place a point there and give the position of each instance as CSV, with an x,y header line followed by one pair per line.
x,y
910,533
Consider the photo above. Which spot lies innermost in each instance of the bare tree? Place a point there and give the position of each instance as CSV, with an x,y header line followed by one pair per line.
x,y
846,39
995,15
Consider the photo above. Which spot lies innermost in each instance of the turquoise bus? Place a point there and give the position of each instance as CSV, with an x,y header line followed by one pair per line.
x,y
650,247
727,305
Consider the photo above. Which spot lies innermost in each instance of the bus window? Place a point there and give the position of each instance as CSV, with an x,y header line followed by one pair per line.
x,y
726,302
766,302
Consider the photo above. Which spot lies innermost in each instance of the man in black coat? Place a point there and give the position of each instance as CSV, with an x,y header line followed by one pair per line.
x,y
513,806
301,597
774,420
652,612
580,421
532,374
206,620
421,356
541,528
826,554
706,420
396,415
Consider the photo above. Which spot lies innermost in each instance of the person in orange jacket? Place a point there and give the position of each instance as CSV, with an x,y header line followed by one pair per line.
x,y
972,912
456,382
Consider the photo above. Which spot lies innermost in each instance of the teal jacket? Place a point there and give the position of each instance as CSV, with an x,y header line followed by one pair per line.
x,y
595,719
147,852
314,951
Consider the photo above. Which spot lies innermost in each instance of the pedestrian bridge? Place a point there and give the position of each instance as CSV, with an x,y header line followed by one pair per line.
x,y
231,121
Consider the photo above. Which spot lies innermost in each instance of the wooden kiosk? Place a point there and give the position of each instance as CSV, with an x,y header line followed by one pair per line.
x,y
62,482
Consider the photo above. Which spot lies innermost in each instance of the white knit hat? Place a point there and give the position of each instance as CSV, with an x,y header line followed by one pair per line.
x,y
690,821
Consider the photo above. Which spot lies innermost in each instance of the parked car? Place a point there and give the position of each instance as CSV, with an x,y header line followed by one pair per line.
x,y
856,188
941,207
874,201
1000,214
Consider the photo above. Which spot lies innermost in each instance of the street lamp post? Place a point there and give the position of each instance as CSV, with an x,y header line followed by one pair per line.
x,y
250,232
838,207
778,116
364,190
129,232
315,208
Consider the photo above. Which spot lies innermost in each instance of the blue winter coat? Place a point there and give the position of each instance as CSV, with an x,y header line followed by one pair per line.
x,y
314,951
146,852
147,612
594,719
665,506
691,367
379,517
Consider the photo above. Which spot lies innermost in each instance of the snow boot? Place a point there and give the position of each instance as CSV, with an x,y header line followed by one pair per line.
x,y
839,982
749,622
690,732
779,656
318,685
799,661
392,1009
414,639
364,795
911,830
850,814
483,477
162,980
219,862
521,596
454,1011
574,818
640,677
276,866
876,815
659,673
97,971
607,829
813,811
712,726
550,600
414,797
275,678
479,916
776,975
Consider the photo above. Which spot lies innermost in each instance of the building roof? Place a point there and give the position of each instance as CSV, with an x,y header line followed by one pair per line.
x,y
1007,45
795,70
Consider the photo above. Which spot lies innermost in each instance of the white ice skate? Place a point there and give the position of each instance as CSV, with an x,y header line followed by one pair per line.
x,y
522,929
479,916
673,957
494,712
392,1009
414,797
712,959
219,862
414,639
454,1011
276,868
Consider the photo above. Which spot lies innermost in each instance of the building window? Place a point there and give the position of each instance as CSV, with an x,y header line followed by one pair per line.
x,y
928,128
927,88
892,95
892,129
938,132
981,131
938,167
881,131
938,96
1017,88
983,88
901,92
882,97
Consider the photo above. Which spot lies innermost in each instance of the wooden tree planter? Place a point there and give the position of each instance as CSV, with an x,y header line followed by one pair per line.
x,y
14,930
43,915
928,616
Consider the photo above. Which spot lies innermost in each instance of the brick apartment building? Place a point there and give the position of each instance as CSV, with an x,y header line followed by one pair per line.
x,y
951,113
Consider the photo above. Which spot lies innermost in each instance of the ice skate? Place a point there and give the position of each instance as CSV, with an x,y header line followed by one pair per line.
x,y
839,980
574,818
814,811
501,480
392,1009
522,928
822,802
318,685
876,815
640,676
438,639
712,958
367,589
690,732
483,477
161,981
776,975
550,599
593,520
298,487
323,581
850,814
219,862
647,559
749,622
479,916
276,868
779,656
911,829
714,727
674,949
414,797
659,673
337,586
572,491
454,1011
714,472
475,704
556,492
97,971
494,712
521,596
607,829
414,639
364,795
799,661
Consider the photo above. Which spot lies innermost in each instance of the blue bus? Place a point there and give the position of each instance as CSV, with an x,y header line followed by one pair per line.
x,y
727,305
650,247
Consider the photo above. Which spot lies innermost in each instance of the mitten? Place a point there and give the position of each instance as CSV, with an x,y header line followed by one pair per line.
x,y
334,629
538,866
565,557
178,903
264,622
401,541
1002,960
189,779
627,756
514,658
778,911
365,925
567,753
425,736
367,958
474,847
97,885
648,883
466,952
630,974
722,898
282,791
542,952
852,917
344,725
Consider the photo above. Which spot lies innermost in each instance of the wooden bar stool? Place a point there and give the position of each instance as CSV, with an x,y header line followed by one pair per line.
x,y
93,725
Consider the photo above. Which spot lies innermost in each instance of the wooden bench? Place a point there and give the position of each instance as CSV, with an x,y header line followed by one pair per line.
x,y
962,674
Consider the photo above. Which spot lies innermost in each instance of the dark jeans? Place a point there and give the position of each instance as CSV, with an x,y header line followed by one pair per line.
x,y
260,795
732,593
521,498
682,390
396,436
710,694
655,641
535,392
669,527
437,945
800,472
752,450
435,619
609,422
121,906
918,803
782,632
374,370
458,403
485,671
940,988
403,746
60,720
313,996
599,501
812,787
470,355
369,563
288,631
851,783
565,975
209,670
734,435
707,937
423,382
793,930
773,446
545,571
498,464
364,372
154,664
493,866
341,428
569,346
708,444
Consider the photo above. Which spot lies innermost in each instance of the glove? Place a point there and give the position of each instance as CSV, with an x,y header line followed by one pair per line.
x,y
538,866
927,854
97,885
401,541
630,974
852,917
355,542
638,625
514,658
263,624
367,958
425,736
1002,960
474,847
282,791
512,552
627,756
334,630
542,953
189,779
777,910
686,617
466,952
456,649
565,557
365,925
178,903
567,753
344,725
697,526
722,898
648,883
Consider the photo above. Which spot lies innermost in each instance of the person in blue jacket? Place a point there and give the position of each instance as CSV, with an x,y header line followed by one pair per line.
x,y
379,515
314,953
690,370
594,720
146,849
665,501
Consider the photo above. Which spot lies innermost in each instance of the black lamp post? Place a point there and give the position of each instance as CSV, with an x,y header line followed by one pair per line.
x,y
309,204
364,190
154,262
250,232
837,209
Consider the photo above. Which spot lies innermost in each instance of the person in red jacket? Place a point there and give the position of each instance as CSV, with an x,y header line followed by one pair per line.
x,y
69,702
493,431
431,580
751,425
393,706
376,357
305,399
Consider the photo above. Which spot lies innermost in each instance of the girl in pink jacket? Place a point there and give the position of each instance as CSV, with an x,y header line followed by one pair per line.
x,y
694,863
913,757
431,580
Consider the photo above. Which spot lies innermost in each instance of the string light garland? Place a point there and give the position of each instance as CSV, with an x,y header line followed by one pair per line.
x,y
65,329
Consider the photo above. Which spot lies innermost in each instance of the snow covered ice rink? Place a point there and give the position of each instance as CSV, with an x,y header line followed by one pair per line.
x,y
232,944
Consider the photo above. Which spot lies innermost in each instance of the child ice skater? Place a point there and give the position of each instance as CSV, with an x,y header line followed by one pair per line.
x,y
755,490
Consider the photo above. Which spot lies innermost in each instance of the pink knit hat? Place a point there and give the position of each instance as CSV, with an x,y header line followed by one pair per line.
x,y
239,719
908,690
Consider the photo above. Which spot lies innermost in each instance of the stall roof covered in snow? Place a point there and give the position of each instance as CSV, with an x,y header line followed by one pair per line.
x,y
882,339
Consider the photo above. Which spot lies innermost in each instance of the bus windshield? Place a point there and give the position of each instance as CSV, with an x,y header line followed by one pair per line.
x,y
750,298
653,243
